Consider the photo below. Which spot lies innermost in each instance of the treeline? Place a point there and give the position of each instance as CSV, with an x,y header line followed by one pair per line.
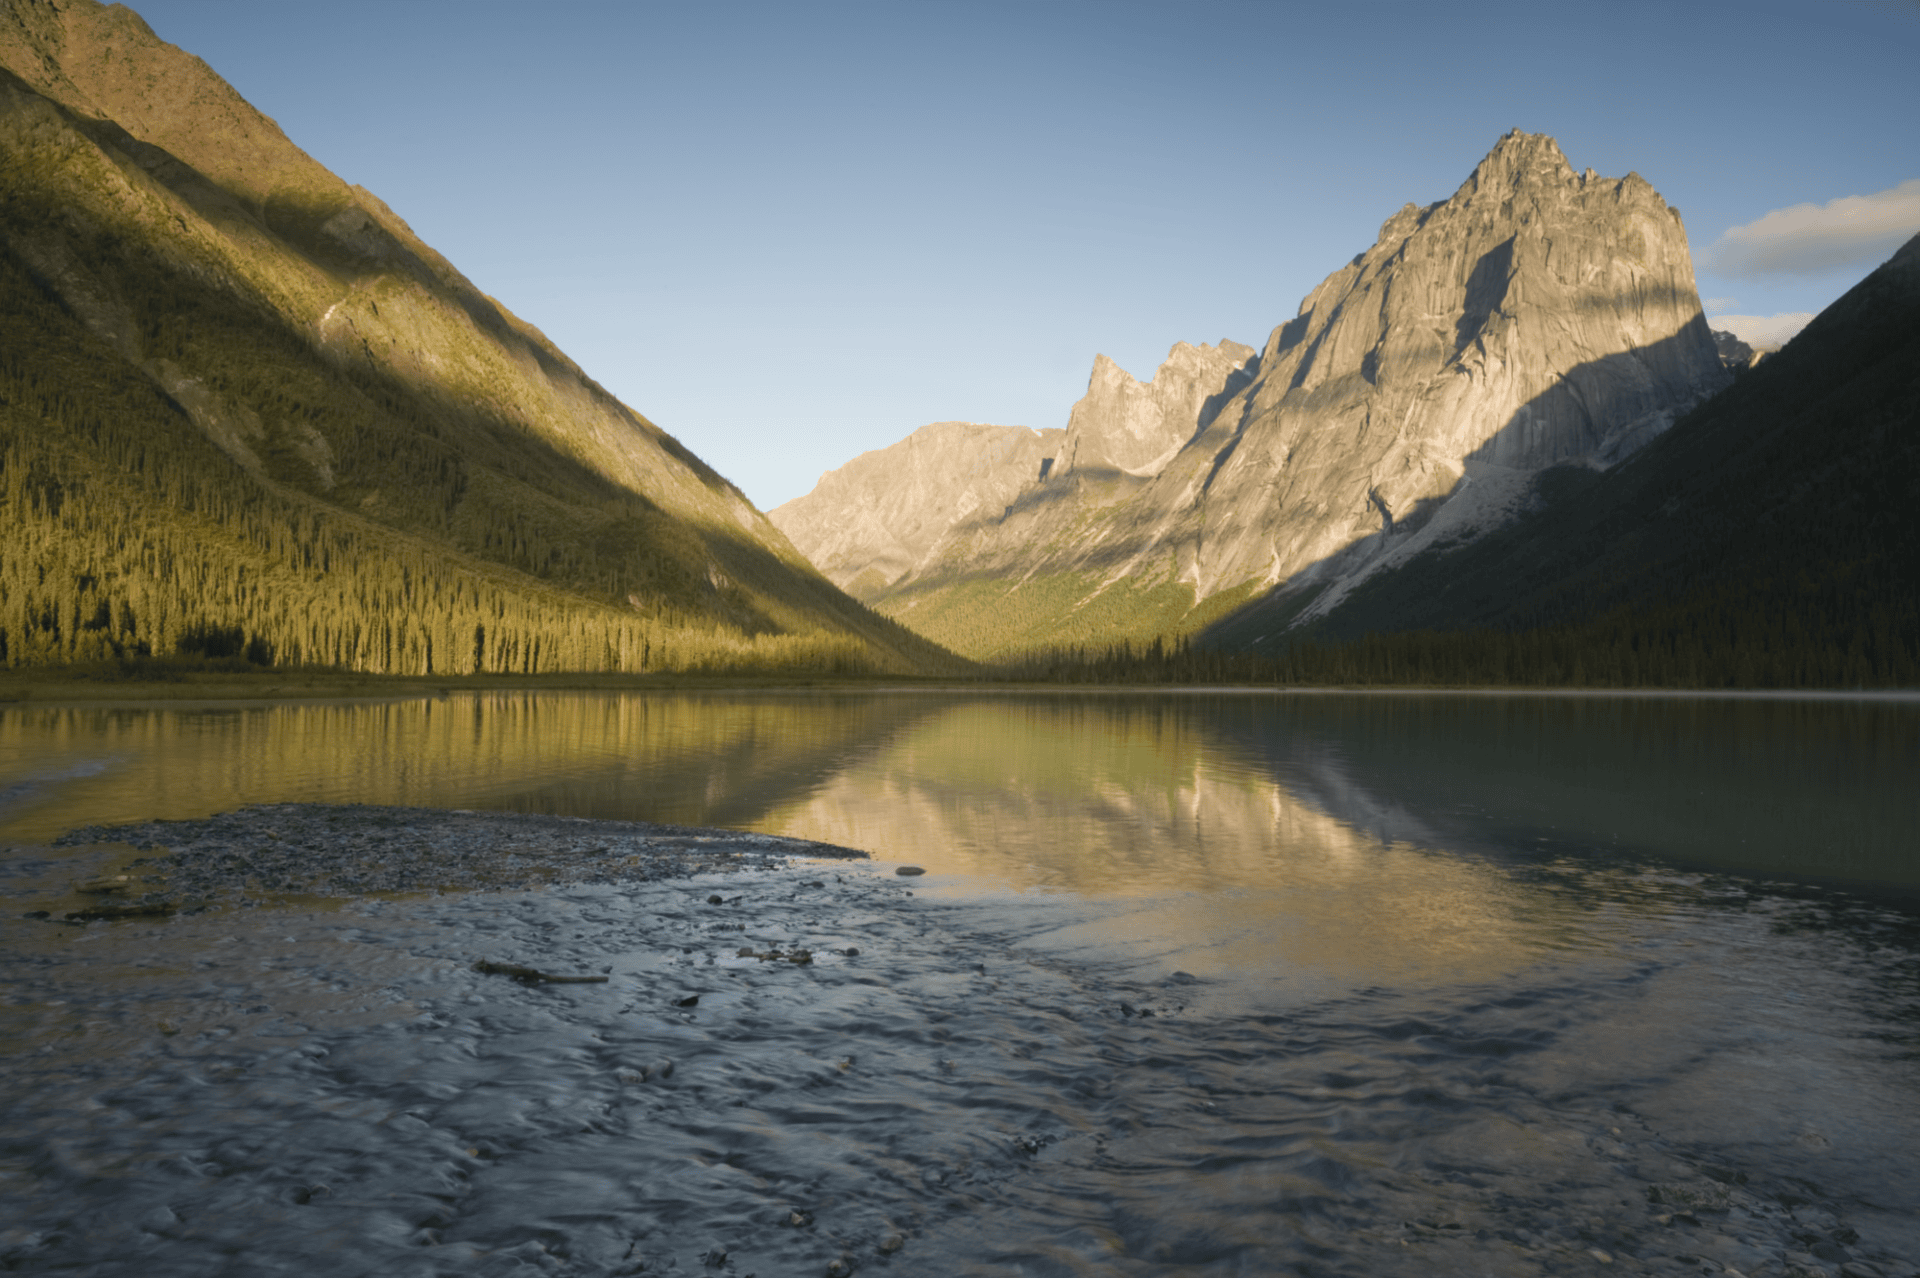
x,y
191,467
88,574
987,619
1622,650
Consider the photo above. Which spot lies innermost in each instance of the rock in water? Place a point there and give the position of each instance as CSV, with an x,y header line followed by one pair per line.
x,y
1537,316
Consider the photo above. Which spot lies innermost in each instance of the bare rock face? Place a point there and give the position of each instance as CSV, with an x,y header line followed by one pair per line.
x,y
873,520
1539,315
886,513
1122,424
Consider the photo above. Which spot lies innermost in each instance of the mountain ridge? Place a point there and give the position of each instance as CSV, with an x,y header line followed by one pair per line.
x,y
221,286
1534,316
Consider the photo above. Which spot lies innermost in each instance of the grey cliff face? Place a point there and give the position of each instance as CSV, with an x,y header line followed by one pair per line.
x,y
1539,315
1121,424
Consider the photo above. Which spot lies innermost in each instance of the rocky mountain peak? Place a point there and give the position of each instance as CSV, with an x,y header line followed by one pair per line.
x,y
1124,427
1537,315
1520,160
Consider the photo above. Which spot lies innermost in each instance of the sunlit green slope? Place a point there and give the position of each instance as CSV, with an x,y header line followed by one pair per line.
x,y
244,410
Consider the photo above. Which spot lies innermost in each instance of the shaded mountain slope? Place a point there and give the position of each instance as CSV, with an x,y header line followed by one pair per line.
x,y
1768,538
245,408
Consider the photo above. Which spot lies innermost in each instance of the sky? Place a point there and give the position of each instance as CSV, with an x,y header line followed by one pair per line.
x,y
791,233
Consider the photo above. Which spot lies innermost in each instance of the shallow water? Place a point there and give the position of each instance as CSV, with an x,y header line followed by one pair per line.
x,y
1438,985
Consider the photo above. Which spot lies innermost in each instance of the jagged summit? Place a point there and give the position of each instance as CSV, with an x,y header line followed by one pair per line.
x,y
1134,428
1516,161
1537,315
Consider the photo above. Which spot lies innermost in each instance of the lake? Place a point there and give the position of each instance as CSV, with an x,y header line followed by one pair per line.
x,y
1442,931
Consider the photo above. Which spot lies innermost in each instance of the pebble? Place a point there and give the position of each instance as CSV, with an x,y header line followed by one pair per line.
x,y
908,870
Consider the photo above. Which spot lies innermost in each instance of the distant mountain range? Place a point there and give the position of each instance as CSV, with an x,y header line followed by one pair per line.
x,y
1539,317
246,412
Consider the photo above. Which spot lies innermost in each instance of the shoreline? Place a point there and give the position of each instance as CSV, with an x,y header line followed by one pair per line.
x,y
193,689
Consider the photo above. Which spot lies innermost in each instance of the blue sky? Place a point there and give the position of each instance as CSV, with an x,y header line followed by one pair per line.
x,y
790,233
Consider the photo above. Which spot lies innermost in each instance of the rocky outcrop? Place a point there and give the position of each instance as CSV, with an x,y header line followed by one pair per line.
x,y
1767,539
1124,425
875,519
1538,315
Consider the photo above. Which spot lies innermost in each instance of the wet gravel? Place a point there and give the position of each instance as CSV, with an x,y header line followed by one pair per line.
x,y
615,1061
255,854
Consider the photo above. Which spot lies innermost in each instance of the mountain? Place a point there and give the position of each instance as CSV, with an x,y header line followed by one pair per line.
x,y
1768,539
244,409
1735,355
1538,316
871,521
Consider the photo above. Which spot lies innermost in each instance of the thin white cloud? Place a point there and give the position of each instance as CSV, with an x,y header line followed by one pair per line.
x,y
1719,303
1762,332
1854,230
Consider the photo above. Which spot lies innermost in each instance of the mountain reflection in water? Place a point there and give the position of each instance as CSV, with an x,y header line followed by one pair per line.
x,y
1364,838
1100,793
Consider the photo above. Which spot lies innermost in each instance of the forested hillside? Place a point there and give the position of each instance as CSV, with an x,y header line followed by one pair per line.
x,y
244,412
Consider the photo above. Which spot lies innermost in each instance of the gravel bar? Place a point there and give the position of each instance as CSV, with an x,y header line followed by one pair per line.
x,y
253,854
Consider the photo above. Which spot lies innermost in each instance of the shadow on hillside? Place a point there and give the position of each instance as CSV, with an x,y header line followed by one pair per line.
x,y
1555,426
1772,525
355,256
305,220
404,430
1034,501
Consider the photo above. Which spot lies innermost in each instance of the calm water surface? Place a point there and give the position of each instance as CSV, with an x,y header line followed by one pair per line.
x,y
1276,838
1699,912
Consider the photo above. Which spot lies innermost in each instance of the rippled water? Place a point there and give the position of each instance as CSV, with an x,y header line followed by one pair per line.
x,y
1439,984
